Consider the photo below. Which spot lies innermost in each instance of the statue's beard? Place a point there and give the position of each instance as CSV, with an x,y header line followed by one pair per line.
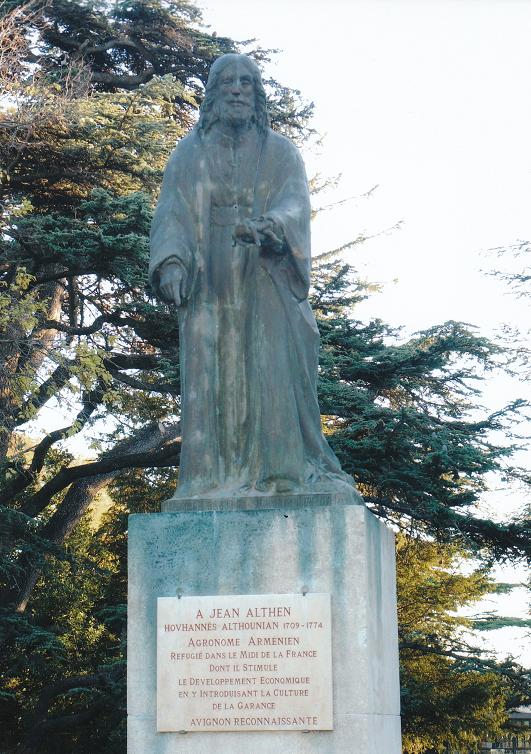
x,y
237,121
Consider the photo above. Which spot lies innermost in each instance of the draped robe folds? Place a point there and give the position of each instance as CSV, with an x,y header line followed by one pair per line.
x,y
248,338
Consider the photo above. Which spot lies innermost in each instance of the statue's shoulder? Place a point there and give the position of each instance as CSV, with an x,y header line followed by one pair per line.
x,y
283,151
186,146
280,143
282,148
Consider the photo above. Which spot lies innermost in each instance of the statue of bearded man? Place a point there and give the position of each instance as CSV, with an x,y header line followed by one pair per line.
x,y
230,247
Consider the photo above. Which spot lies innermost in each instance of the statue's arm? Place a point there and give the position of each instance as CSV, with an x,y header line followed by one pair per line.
x,y
291,201
290,212
172,236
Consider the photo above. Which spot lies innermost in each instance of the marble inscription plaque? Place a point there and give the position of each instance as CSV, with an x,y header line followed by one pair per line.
x,y
244,662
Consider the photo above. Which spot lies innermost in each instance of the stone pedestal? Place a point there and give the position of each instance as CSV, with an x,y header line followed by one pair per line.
x,y
336,548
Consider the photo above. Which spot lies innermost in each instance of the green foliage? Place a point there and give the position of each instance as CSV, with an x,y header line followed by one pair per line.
x,y
452,693
69,646
106,237
500,621
115,141
64,656
513,267
403,419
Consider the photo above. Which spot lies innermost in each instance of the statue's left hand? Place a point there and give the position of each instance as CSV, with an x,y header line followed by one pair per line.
x,y
260,231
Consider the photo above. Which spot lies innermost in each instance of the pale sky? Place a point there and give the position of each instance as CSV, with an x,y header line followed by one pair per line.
x,y
429,99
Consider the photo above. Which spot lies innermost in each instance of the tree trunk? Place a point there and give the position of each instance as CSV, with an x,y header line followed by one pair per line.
x,y
79,497
21,356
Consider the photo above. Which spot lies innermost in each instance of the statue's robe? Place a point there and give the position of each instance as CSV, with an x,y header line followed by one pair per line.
x,y
248,338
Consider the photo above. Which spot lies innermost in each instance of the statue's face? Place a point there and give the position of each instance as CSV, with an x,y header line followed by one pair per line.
x,y
236,97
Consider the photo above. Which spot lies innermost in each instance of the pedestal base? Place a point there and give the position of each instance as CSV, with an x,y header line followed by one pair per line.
x,y
347,496
340,549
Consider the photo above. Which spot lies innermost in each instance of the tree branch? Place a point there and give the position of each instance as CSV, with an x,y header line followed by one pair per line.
x,y
464,656
25,477
62,373
84,48
114,319
40,347
79,497
64,273
116,360
168,456
511,538
116,42
124,82
58,379
43,724
155,387
91,401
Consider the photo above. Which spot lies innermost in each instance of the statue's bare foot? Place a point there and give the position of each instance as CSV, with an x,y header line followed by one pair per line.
x,y
284,485
264,485
279,486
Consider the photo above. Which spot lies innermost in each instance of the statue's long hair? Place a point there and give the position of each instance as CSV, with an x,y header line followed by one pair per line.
x,y
209,114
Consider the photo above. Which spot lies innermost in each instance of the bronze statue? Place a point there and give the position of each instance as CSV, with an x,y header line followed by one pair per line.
x,y
230,247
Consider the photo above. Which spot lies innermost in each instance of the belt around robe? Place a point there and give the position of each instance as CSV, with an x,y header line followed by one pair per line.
x,y
228,216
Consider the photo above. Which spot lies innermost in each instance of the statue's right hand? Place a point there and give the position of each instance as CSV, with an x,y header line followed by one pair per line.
x,y
170,282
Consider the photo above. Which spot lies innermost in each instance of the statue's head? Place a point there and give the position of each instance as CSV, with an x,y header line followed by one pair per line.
x,y
234,94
